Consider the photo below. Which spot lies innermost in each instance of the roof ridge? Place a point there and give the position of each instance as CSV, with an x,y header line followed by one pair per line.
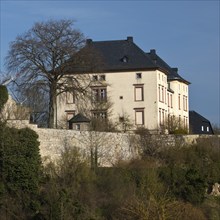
x,y
102,41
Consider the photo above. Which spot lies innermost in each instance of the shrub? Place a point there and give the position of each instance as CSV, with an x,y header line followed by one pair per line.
x,y
20,172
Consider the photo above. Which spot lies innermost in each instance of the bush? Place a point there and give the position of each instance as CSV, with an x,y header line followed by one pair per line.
x,y
179,131
20,159
20,172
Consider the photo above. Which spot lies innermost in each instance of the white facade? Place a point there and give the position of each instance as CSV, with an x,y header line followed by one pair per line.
x,y
133,86
142,96
180,102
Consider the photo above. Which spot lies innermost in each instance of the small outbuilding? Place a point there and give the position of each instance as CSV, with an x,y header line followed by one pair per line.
x,y
198,124
79,122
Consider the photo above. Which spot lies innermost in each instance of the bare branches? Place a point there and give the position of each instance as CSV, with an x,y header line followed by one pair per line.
x,y
44,48
42,55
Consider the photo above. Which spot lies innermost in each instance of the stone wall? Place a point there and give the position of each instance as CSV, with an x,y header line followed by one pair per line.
x,y
111,147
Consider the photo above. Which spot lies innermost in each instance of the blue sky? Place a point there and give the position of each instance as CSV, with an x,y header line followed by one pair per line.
x,y
184,33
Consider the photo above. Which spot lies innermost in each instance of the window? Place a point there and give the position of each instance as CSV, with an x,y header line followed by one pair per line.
x,y
120,97
100,114
185,122
121,119
139,116
159,93
78,127
160,118
138,75
202,128
124,59
69,81
185,103
139,93
179,101
165,97
179,120
99,94
171,100
94,78
102,94
102,77
208,129
162,115
70,98
162,93
103,114
69,114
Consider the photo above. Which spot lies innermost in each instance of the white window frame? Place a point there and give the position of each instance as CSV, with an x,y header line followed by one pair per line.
x,y
99,94
70,97
140,97
137,112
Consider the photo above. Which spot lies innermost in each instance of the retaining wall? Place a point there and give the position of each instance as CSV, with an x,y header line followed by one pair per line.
x,y
110,147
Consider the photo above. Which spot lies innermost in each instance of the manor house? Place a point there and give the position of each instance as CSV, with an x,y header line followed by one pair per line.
x,y
138,86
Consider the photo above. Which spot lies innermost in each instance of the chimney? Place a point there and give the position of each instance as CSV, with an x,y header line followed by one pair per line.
x,y
88,41
153,52
175,69
153,55
130,39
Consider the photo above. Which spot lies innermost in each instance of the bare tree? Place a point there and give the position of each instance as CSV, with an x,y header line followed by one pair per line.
x,y
174,125
45,55
36,100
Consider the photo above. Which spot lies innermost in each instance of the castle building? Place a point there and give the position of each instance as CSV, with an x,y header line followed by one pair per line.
x,y
140,86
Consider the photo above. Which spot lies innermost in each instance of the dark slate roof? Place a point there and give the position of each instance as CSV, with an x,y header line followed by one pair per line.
x,y
172,73
194,114
112,54
196,121
79,118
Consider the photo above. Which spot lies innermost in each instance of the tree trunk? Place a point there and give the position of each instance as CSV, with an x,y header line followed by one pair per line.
x,y
52,120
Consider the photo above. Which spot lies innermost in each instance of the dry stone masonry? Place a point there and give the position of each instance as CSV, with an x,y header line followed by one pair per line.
x,y
110,147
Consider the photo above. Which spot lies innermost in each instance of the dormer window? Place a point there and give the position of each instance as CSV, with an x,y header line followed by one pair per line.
x,y
124,59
